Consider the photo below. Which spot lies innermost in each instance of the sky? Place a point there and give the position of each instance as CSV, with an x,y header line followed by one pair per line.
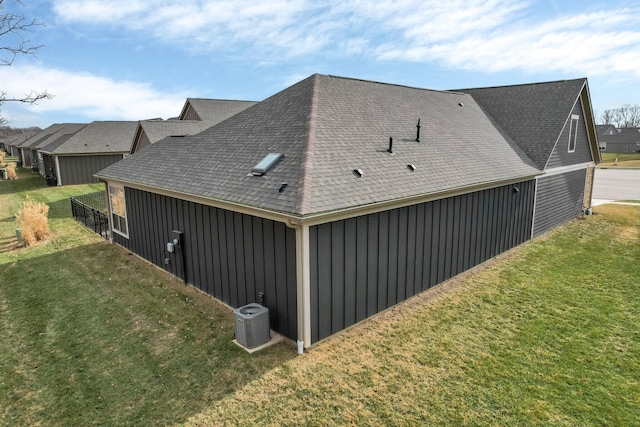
x,y
141,59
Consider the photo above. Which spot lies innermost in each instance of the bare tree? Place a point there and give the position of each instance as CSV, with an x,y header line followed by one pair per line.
x,y
606,118
15,29
627,116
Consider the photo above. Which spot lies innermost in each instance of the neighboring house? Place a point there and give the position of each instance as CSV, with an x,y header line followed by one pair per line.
x,y
11,145
338,198
27,149
621,141
197,115
73,158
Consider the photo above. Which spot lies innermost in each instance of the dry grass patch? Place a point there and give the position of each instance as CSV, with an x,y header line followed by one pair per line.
x,y
11,171
33,221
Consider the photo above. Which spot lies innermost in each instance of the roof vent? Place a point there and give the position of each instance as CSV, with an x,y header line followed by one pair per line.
x,y
268,162
283,185
461,104
390,149
418,131
411,167
358,173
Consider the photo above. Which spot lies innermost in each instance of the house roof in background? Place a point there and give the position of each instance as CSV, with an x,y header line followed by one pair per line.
x,y
52,133
532,114
42,135
619,136
17,140
214,110
96,138
209,111
327,127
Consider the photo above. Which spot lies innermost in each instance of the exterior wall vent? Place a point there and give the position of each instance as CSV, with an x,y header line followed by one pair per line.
x,y
268,162
252,325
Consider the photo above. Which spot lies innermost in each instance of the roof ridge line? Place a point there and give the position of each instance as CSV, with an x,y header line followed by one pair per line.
x,y
303,204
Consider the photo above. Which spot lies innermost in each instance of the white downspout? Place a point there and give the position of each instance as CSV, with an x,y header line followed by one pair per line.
x,y
303,287
58,170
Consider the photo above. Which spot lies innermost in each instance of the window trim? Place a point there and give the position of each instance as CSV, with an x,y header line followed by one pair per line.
x,y
121,219
573,133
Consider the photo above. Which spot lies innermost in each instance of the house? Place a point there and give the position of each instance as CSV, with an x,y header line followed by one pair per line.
x,y
621,141
28,149
197,115
338,198
11,144
74,157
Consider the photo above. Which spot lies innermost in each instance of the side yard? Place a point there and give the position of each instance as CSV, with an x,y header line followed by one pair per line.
x,y
546,335
90,334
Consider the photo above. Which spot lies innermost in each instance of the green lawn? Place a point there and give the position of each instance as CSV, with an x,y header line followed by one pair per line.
x,y
546,335
624,160
90,334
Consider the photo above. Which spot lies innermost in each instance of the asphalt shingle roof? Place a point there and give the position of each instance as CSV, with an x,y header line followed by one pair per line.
x,y
623,136
96,137
216,110
326,127
532,114
51,134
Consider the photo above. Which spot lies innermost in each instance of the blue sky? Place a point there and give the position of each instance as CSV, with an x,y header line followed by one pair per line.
x,y
138,59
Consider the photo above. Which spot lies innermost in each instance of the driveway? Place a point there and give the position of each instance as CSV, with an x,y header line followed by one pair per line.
x,y
616,184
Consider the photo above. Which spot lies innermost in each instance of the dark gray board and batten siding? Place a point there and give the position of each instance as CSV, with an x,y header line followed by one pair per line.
x,y
230,256
361,266
80,169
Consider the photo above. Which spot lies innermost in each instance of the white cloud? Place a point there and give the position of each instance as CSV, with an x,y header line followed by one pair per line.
x,y
489,36
89,96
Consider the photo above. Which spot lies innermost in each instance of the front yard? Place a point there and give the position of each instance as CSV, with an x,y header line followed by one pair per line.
x,y
546,335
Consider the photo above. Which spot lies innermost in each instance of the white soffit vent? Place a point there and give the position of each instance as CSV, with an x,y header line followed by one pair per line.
x,y
268,162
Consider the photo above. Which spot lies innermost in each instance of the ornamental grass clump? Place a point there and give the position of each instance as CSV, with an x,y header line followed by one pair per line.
x,y
33,222
11,171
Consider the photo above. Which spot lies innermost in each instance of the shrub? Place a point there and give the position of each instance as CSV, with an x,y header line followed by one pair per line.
x,y
32,219
11,171
2,156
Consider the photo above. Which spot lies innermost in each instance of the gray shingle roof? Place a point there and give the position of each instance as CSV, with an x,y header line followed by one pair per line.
x,y
215,110
18,140
532,114
52,133
96,137
210,111
326,127
623,136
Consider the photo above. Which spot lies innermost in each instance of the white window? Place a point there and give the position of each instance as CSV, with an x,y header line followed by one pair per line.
x,y
118,210
573,133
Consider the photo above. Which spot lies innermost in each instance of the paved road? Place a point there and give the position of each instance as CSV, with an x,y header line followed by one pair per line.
x,y
616,184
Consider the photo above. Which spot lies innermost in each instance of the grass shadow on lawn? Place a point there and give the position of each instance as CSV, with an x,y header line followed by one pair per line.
x,y
94,335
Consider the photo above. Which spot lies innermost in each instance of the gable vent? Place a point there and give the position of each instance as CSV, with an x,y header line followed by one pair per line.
x,y
265,165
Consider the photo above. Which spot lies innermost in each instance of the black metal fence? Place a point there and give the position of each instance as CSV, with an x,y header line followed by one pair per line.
x,y
91,210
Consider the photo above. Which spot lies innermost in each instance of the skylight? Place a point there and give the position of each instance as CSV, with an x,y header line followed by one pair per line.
x,y
269,161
